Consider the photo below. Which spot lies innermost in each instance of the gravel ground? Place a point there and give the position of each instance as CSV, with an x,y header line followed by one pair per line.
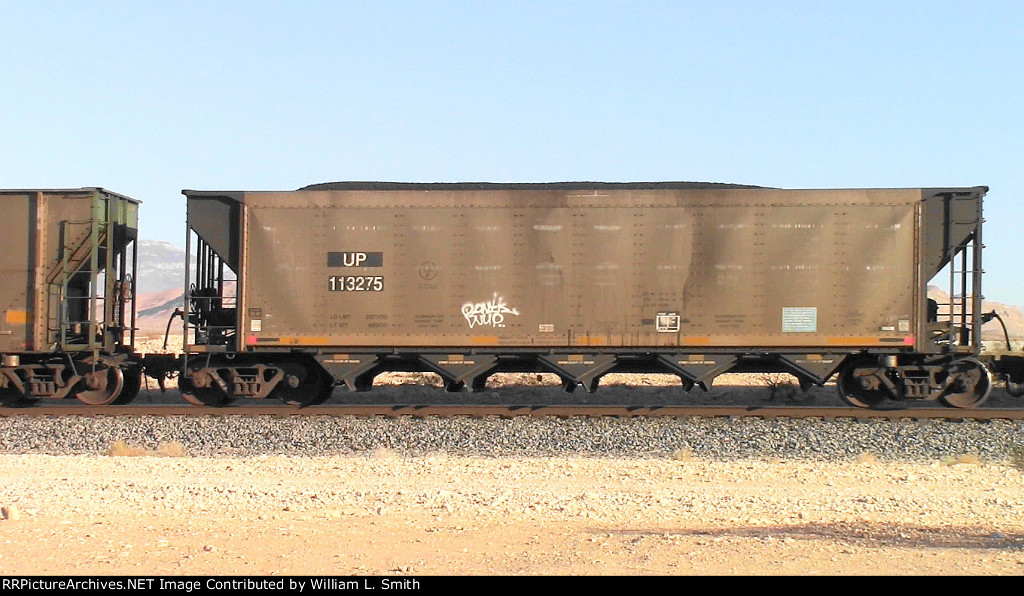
x,y
387,514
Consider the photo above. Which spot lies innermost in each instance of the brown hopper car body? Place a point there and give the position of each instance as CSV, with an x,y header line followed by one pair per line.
x,y
578,279
609,268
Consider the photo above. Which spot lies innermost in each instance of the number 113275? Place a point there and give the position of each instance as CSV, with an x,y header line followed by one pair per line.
x,y
355,283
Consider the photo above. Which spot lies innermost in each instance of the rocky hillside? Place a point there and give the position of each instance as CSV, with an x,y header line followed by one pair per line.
x,y
161,266
154,308
1011,316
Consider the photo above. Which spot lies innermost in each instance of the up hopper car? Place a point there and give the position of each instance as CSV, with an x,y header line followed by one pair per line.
x,y
67,295
293,293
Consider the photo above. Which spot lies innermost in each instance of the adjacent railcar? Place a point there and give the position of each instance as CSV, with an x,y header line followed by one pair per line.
x,y
295,292
67,299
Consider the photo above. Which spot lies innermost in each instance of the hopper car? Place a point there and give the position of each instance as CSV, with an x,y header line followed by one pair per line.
x,y
67,295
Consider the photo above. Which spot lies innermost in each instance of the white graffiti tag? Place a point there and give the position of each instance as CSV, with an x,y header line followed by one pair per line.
x,y
490,313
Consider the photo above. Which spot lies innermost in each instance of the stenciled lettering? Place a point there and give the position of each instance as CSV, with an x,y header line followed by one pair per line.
x,y
355,259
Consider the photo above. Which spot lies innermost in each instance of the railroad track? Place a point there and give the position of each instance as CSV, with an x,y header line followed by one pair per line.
x,y
510,411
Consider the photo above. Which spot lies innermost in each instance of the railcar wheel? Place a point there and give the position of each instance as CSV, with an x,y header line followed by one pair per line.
x,y
100,387
1015,389
201,396
301,386
132,384
969,384
860,390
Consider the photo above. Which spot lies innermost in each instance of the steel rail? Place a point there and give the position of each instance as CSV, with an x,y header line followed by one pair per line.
x,y
511,411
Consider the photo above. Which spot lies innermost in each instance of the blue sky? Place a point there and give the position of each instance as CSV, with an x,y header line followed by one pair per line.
x,y
148,98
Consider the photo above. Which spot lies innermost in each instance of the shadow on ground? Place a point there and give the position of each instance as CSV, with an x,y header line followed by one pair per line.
x,y
866,534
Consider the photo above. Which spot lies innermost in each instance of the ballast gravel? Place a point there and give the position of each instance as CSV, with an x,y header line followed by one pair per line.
x,y
711,438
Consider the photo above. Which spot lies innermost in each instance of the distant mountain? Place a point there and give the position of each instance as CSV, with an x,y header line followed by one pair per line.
x,y
161,274
161,266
